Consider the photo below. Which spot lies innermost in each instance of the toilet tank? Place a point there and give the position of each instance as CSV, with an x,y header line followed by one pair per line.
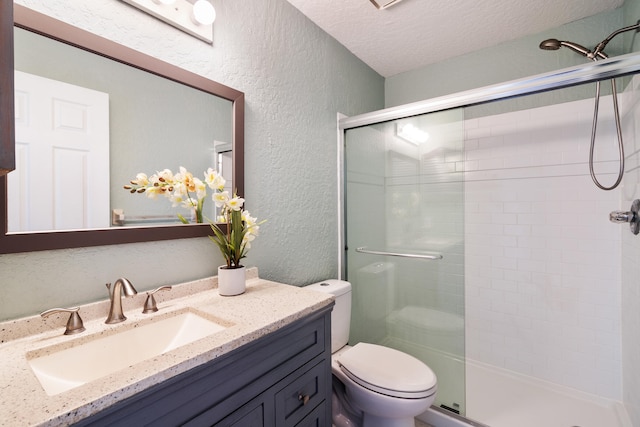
x,y
375,287
341,314
376,284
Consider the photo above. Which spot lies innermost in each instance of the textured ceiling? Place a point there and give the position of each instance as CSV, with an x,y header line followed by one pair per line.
x,y
415,33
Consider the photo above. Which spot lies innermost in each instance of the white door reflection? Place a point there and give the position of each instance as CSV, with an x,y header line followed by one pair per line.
x,y
61,181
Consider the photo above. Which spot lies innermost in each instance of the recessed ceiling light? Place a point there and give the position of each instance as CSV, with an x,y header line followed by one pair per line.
x,y
383,4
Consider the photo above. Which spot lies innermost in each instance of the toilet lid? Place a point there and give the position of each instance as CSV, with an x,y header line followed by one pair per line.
x,y
387,371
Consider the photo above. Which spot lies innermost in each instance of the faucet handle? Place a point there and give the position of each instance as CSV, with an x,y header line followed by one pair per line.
x,y
74,324
150,304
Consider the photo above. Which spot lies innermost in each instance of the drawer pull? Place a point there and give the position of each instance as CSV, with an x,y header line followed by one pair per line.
x,y
303,398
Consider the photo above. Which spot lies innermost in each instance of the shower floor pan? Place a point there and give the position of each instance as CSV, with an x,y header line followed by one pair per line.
x,y
501,398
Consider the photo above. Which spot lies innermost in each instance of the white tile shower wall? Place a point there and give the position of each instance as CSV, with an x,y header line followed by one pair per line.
x,y
542,266
630,256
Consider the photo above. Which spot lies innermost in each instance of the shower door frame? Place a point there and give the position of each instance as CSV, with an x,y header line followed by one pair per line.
x,y
618,66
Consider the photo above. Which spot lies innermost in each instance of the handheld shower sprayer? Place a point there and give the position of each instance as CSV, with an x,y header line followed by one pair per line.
x,y
550,44
596,54
555,44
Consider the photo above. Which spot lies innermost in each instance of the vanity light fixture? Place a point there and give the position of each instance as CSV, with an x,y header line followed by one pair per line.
x,y
383,4
411,133
203,13
194,17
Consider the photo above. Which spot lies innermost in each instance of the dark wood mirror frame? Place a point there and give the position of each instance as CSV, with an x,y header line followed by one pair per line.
x,y
28,19
7,114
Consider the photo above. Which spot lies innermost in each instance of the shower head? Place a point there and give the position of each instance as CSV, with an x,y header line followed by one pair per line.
x,y
550,44
555,44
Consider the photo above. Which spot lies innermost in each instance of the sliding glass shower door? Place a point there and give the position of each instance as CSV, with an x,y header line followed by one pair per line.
x,y
404,237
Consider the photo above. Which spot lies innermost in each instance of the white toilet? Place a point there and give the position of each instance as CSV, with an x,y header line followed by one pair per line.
x,y
374,386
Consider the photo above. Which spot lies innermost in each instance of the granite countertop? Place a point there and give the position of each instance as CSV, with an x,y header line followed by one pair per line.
x,y
264,308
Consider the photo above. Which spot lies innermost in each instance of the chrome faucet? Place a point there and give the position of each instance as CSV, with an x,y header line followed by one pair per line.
x,y
121,285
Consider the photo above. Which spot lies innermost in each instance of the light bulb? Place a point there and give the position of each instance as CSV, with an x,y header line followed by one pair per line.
x,y
203,13
411,133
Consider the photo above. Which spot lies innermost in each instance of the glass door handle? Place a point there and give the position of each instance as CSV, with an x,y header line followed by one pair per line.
x,y
364,250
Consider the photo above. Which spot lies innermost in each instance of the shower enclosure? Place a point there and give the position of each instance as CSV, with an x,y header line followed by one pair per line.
x,y
476,241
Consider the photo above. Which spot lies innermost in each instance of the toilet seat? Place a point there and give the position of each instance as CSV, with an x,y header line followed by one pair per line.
x,y
388,371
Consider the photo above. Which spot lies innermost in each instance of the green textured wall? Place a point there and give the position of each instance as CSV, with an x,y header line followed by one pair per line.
x,y
295,78
507,61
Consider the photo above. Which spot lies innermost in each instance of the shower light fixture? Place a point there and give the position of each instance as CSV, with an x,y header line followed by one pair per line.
x,y
194,17
411,133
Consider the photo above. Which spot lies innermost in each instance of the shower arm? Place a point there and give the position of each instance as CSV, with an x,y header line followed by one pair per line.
x,y
600,46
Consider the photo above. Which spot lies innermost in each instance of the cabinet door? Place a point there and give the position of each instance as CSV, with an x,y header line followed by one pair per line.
x,y
316,418
254,413
250,415
301,395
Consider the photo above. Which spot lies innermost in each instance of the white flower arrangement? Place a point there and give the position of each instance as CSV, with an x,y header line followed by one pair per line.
x,y
183,189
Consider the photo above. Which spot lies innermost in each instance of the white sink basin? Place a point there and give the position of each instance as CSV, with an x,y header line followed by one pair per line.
x,y
72,367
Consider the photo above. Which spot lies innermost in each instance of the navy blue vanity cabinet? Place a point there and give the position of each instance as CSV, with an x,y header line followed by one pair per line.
x,y
280,380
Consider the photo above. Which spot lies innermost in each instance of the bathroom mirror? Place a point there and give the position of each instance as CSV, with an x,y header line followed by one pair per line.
x,y
222,96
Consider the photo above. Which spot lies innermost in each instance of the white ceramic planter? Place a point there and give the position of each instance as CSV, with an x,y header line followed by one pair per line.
x,y
231,281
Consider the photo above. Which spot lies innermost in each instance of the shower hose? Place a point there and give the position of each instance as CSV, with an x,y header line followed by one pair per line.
x,y
593,136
